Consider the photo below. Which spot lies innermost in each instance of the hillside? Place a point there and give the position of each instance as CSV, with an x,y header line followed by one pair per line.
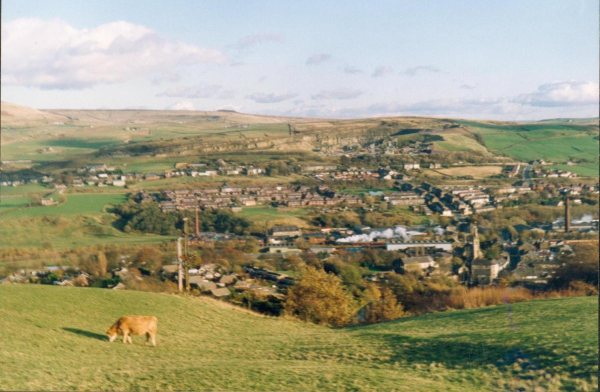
x,y
18,115
55,139
53,339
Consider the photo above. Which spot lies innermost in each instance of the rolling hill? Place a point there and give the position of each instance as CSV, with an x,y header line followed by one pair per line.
x,y
18,115
52,338
55,139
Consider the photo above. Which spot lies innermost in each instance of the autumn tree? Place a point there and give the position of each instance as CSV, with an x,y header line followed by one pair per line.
x,y
383,308
102,263
320,298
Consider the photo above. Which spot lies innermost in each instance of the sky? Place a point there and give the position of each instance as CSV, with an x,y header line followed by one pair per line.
x,y
499,60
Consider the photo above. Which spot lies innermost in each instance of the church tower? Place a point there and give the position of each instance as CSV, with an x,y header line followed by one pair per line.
x,y
476,246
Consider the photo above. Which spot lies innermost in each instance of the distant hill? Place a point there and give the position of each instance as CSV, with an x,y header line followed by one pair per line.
x,y
53,338
578,121
169,133
18,115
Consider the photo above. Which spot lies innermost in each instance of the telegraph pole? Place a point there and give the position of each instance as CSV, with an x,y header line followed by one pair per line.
x,y
186,255
180,266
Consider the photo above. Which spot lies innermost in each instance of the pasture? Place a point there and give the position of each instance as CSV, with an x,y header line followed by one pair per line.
x,y
477,172
8,203
456,142
53,338
585,170
82,220
275,216
88,204
551,141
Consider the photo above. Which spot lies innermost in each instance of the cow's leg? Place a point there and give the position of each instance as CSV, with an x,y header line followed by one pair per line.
x,y
129,338
147,338
125,336
154,339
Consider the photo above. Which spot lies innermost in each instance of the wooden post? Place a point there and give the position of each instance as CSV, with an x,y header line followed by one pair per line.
x,y
567,215
180,267
186,255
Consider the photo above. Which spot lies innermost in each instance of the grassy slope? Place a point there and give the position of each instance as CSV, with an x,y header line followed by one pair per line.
x,y
53,338
80,221
550,141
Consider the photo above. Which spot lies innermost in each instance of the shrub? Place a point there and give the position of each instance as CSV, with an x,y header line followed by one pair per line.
x,y
320,298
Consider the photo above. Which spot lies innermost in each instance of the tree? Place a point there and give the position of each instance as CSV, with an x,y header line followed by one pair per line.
x,y
492,253
385,308
319,297
149,259
102,263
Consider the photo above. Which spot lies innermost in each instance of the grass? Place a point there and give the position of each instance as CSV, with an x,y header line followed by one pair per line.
x,y
556,149
8,203
553,141
585,169
88,204
68,232
460,142
477,172
282,216
24,190
83,220
53,339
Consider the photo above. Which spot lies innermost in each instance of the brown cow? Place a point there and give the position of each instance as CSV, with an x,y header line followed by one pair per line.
x,y
134,325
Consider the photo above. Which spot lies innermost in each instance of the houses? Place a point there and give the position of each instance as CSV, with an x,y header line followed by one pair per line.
x,y
253,171
403,245
284,248
484,271
324,167
405,198
285,231
48,201
411,166
418,263
119,182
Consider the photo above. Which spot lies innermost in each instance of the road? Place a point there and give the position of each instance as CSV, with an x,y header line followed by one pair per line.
x,y
527,174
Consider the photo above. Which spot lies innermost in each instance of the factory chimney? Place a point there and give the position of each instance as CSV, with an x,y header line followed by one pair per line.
x,y
567,215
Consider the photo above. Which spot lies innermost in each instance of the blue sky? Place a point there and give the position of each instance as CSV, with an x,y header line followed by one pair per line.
x,y
511,60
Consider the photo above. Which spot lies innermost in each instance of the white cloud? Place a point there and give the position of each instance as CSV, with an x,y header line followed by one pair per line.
x,y
199,91
167,76
318,58
182,105
271,97
352,70
340,93
54,55
382,71
412,71
570,93
440,106
255,39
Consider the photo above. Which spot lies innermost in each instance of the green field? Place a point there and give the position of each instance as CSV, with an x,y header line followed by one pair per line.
x,y
53,339
585,170
261,214
551,141
25,190
8,203
81,221
88,204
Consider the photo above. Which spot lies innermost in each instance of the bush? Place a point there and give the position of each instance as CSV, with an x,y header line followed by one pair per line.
x,y
385,308
583,288
320,298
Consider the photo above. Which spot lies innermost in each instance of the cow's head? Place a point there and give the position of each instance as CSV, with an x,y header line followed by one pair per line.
x,y
112,334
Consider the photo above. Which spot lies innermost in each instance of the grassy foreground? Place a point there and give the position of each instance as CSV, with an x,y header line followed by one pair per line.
x,y
52,338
